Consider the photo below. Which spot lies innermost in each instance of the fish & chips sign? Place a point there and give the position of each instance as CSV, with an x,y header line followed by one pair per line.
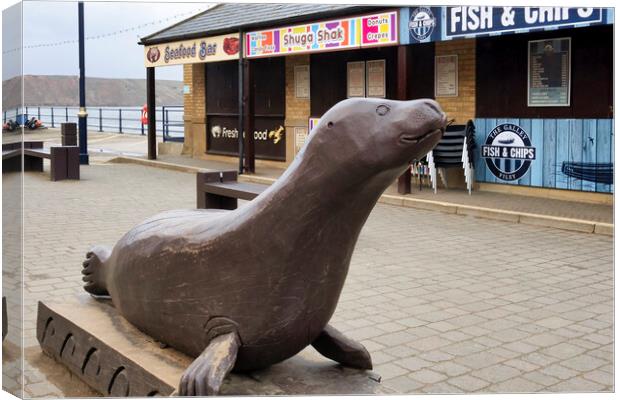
x,y
428,24
508,152
209,49
354,32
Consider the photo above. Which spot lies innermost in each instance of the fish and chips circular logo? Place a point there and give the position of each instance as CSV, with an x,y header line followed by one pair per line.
x,y
153,54
422,23
508,152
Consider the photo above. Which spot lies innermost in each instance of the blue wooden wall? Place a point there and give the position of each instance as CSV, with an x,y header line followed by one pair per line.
x,y
556,140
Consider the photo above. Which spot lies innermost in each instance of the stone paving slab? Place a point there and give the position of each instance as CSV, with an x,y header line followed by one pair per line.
x,y
444,303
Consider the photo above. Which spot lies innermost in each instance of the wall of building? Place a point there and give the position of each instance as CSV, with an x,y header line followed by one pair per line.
x,y
297,110
463,107
590,75
195,110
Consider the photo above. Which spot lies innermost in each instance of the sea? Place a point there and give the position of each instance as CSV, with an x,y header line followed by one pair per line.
x,y
169,119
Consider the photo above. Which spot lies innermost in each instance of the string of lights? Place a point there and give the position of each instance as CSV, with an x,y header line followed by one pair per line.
x,y
105,35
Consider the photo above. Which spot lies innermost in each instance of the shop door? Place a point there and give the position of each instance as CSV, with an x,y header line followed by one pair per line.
x,y
222,103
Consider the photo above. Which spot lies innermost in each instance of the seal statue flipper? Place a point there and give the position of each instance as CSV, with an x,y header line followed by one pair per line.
x,y
94,270
335,346
205,375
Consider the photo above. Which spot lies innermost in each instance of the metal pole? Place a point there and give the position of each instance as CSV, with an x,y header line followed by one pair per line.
x,y
120,120
163,123
26,112
100,121
150,111
240,123
82,114
167,123
52,109
402,69
66,114
39,113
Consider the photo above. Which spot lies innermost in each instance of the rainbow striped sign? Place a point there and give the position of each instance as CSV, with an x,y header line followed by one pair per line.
x,y
336,34
312,122
346,33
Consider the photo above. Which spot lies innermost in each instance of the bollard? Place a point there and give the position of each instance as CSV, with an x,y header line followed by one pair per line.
x,y
100,123
120,120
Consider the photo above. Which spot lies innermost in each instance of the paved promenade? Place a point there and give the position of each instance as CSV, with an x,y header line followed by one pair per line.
x,y
444,303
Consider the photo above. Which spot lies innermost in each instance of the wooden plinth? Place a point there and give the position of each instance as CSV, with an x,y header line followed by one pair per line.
x,y
95,343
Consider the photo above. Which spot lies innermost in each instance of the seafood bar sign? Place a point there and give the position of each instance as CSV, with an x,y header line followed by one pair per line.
x,y
429,24
209,49
346,33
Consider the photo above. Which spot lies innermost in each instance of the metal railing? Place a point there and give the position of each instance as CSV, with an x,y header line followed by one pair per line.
x,y
169,119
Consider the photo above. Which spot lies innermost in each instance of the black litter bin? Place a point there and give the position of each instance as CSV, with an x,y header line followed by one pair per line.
x,y
68,134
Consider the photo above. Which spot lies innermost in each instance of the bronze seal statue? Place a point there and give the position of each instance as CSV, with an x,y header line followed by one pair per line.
x,y
251,287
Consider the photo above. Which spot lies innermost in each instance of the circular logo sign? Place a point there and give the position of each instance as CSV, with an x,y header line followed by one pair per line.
x,y
421,23
153,54
508,152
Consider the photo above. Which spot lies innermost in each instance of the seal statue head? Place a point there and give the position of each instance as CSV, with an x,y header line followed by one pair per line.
x,y
377,134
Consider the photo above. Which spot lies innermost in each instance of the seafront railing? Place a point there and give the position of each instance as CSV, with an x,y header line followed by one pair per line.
x,y
169,119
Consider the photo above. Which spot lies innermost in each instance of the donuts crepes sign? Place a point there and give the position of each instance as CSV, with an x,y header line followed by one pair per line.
x,y
208,49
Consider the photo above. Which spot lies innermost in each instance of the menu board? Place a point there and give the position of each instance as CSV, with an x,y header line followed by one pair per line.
x,y
302,81
301,135
355,79
446,76
375,78
549,73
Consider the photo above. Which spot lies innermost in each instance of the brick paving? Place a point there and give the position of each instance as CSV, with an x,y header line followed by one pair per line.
x,y
444,303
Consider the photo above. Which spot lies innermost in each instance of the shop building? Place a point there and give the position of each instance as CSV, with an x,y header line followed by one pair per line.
x,y
536,81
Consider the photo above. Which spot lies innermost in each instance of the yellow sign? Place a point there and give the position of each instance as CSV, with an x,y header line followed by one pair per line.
x,y
202,50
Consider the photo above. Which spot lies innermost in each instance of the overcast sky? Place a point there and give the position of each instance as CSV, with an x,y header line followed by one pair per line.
x,y
117,56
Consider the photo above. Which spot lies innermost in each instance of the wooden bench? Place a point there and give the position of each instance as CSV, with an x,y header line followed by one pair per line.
x,y
64,160
220,189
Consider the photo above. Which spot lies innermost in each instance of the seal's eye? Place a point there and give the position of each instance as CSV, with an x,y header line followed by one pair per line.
x,y
383,109
330,124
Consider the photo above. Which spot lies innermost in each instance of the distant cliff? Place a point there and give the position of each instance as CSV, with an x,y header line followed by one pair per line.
x,y
57,90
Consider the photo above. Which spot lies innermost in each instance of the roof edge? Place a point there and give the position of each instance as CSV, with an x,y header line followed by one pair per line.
x,y
355,9
145,38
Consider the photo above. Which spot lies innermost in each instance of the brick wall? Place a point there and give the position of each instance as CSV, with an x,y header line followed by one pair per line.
x,y
195,110
462,107
297,110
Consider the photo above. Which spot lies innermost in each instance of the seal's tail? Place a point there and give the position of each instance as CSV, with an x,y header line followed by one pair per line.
x,y
94,271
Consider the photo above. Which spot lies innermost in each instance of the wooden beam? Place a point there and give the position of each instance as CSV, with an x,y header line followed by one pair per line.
x,y
248,117
402,66
240,126
150,106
